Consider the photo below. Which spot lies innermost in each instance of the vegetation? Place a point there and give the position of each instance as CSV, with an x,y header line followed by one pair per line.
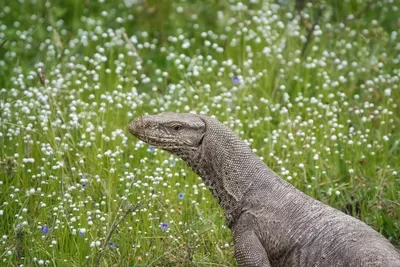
x,y
312,86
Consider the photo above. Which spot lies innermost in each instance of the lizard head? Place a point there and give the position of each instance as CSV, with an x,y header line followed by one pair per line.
x,y
174,132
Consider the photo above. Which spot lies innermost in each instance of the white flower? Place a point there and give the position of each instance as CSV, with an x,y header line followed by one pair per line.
x,y
267,51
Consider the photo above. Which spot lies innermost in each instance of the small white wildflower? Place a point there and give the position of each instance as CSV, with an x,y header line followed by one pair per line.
x,y
185,45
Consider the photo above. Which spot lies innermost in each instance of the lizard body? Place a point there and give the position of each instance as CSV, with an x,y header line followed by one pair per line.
x,y
272,222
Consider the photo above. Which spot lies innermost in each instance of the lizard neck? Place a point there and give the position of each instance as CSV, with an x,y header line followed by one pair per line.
x,y
227,166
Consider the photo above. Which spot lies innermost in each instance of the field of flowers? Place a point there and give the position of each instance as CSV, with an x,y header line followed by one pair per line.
x,y
312,86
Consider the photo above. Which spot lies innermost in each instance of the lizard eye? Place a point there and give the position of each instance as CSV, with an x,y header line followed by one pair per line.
x,y
177,127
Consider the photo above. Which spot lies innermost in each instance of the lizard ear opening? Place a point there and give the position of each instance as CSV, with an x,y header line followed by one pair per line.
x,y
201,140
203,133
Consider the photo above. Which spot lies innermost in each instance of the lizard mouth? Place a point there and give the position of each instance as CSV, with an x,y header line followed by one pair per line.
x,y
151,140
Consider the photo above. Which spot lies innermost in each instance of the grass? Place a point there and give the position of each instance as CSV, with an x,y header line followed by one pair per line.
x,y
326,120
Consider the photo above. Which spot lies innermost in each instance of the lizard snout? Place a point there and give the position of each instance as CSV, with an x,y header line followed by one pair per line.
x,y
136,127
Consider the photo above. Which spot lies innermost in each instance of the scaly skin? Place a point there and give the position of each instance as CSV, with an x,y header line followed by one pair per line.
x,y
273,223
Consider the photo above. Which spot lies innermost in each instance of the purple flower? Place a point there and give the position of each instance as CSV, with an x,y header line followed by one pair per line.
x,y
111,244
81,233
172,163
181,195
45,229
164,226
150,149
235,80
83,185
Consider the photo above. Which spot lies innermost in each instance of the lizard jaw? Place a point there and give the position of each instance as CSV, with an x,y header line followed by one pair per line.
x,y
136,129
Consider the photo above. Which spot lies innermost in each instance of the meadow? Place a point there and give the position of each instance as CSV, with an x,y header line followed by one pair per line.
x,y
311,86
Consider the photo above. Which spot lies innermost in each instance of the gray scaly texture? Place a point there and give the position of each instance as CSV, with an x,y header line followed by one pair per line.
x,y
273,223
